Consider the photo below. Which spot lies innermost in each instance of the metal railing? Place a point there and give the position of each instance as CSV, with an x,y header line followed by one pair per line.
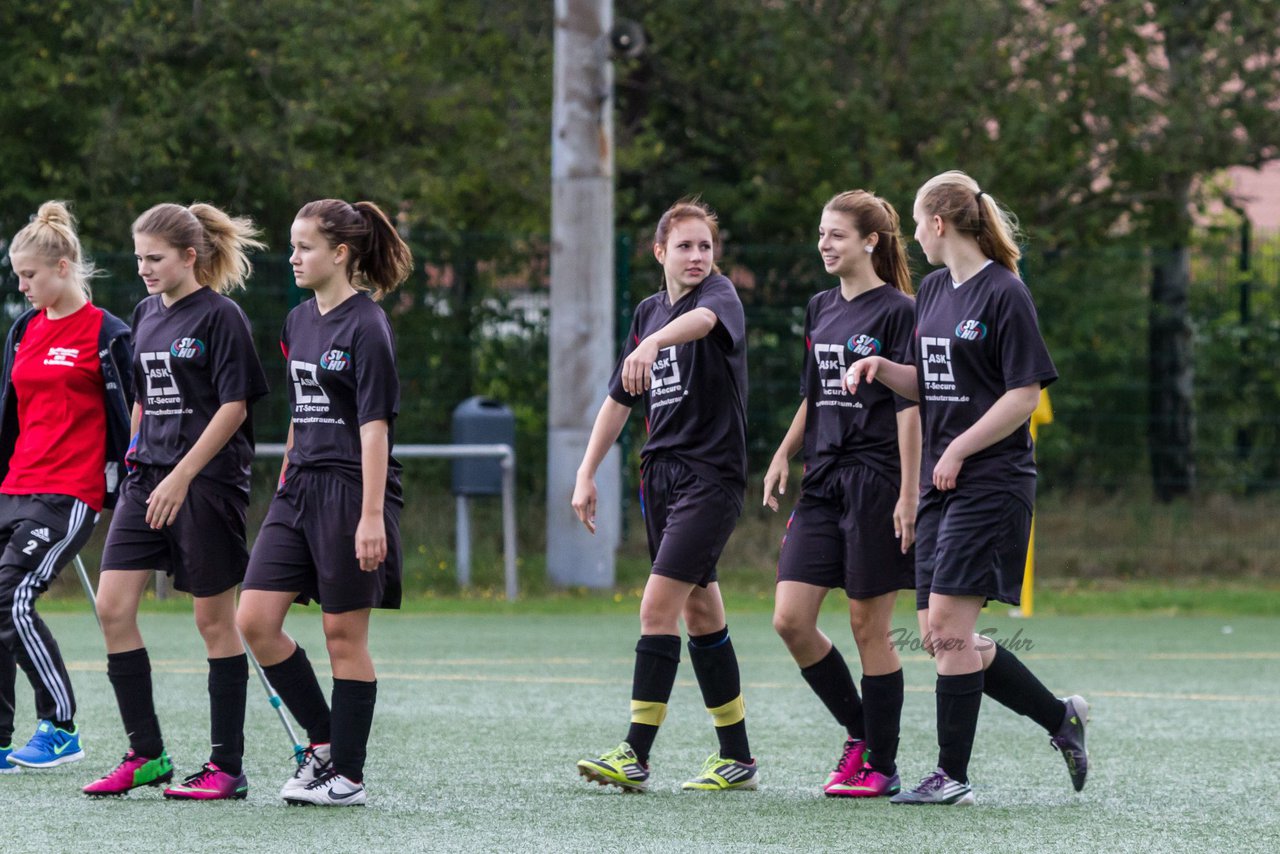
x,y
506,457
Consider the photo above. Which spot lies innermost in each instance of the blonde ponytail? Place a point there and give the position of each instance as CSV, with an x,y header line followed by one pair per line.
x,y
958,200
221,242
51,235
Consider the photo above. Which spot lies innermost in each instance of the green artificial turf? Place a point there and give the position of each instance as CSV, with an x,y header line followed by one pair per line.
x,y
481,718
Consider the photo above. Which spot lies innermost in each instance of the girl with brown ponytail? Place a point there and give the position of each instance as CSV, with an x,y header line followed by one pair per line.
x,y
338,478
854,522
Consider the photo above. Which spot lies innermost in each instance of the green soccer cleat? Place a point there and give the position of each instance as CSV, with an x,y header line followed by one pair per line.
x,y
721,775
619,767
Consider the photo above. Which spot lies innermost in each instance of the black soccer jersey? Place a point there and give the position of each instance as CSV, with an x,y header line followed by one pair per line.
x,y
342,374
696,407
189,359
841,428
976,342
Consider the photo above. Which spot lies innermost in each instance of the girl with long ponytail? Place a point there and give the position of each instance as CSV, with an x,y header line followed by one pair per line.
x,y
978,373
338,477
854,522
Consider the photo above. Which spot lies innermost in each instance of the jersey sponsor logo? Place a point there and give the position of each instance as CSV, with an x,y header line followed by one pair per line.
x,y
971,330
830,358
307,390
158,371
335,360
935,355
665,372
864,345
62,356
186,348
41,534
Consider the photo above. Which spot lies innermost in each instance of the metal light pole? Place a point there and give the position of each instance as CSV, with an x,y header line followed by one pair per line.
x,y
582,289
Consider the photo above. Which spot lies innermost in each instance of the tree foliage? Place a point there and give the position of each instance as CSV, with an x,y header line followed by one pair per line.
x,y
1096,121
429,106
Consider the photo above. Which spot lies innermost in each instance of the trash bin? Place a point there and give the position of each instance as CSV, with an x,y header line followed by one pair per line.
x,y
481,421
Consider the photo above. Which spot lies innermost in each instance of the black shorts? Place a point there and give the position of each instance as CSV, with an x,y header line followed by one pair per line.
x,y
841,535
688,520
307,545
40,534
203,550
971,545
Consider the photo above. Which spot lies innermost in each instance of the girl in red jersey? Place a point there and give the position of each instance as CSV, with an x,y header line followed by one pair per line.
x,y
332,532
854,522
978,373
686,360
182,510
65,394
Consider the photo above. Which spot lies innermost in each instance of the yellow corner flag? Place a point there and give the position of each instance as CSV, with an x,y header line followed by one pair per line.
x,y
1042,415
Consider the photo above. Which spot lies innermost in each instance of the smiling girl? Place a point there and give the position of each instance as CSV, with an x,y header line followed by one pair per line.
x,y
854,523
182,510
65,394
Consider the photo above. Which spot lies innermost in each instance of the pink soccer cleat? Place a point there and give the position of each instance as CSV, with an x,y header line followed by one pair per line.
x,y
850,763
210,783
132,772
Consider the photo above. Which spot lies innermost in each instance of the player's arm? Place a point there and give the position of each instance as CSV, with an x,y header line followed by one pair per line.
x,y
167,497
904,512
610,420
1007,414
900,378
779,467
371,532
690,326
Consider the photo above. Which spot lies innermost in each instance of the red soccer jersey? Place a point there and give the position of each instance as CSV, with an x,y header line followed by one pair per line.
x,y
62,414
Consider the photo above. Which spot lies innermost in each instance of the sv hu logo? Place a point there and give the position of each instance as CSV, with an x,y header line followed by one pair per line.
x,y
971,330
186,348
864,345
335,360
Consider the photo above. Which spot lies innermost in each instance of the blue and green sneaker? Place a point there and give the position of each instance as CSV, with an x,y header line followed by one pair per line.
x,y
5,767
49,748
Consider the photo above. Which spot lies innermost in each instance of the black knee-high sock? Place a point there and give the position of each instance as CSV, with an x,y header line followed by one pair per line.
x,y
353,704
882,699
831,681
959,699
1009,682
130,677
657,658
295,681
716,666
228,685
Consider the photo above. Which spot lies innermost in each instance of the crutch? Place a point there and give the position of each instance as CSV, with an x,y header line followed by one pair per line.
x,y
88,588
277,704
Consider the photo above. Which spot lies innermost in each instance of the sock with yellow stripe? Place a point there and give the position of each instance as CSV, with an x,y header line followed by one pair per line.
x,y
657,657
716,666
